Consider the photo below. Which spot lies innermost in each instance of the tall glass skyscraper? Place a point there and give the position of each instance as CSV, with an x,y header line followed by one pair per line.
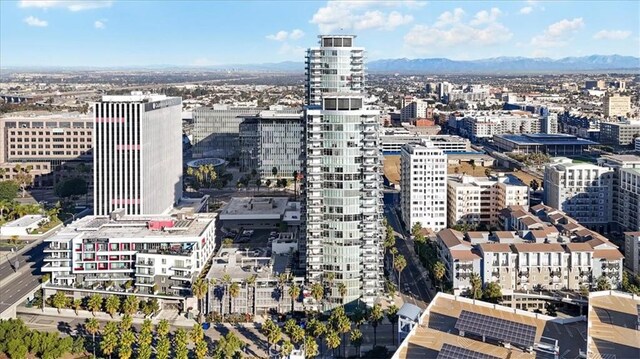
x,y
343,182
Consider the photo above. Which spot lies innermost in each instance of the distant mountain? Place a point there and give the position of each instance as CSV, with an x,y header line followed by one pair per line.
x,y
506,65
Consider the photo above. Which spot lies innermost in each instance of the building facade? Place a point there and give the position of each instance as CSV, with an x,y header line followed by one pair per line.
x,y
343,183
216,130
581,190
632,251
619,133
138,154
615,105
625,194
477,201
423,183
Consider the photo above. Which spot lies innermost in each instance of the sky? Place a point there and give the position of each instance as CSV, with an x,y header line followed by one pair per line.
x,y
205,33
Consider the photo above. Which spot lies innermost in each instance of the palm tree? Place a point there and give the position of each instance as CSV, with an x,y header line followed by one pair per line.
x,y
77,304
197,333
126,322
163,348
272,332
127,339
294,292
310,348
355,338
251,286
92,326
258,183
130,305
268,183
95,303
144,340
375,317
180,342
342,289
162,329
438,272
59,301
109,341
333,340
340,322
476,286
201,349
112,305
234,292
295,184
416,228
274,171
316,329
392,315
4,206
199,288
226,280
399,263
394,253
287,348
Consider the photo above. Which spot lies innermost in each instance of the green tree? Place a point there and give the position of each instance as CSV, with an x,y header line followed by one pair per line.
x,y
274,171
258,183
77,305
317,291
202,349
355,337
145,338
315,329
199,289
416,229
439,272
228,346
130,305
534,185
375,317
126,322
603,284
399,264
112,305
294,293
476,286
162,329
92,326
8,192
127,339
109,341
23,177
163,348
340,322
492,292
196,333
180,341
342,290
72,187
311,348
268,183
287,348
332,340
94,303
392,315
272,332
59,301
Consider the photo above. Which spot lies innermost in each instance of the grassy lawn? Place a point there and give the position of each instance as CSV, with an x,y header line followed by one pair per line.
x,y
47,227
6,246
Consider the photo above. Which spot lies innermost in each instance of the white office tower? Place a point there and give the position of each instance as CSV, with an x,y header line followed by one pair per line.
x,y
137,154
343,182
335,66
423,183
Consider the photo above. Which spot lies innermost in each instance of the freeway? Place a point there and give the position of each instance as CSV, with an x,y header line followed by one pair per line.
x,y
17,288
413,279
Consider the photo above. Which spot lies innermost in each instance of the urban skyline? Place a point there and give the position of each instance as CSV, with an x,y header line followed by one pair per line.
x,y
411,29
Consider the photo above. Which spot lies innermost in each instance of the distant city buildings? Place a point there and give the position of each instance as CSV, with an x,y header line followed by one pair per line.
x,y
47,143
394,138
138,154
615,105
552,145
423,183
478,201
413,108
216,130
620,134
582,190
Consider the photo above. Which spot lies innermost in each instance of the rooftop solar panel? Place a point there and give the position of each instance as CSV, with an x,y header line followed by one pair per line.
x,y
449,351
503,330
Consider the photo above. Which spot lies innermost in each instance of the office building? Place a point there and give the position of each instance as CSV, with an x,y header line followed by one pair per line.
x,y
548,121
615,105
595,85
552,145
619,133
423,183
336,66
138,154
48,143
413,108
272,140
477,201
394,138
582,190
158,255
343,184
216,130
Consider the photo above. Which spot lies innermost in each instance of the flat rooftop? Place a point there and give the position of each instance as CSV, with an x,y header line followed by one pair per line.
x,y
613,325
436,331
254,208
242,264
25,221
545,139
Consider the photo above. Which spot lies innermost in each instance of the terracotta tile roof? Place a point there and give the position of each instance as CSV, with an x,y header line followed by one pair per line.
x,y
634,234
578,247
538,247
584,233
571,226
556,216
610,254
476,234
464,255
505,235
540,207
450,237
495,247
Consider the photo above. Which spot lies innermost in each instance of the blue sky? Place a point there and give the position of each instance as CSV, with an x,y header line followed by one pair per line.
x,y
137,33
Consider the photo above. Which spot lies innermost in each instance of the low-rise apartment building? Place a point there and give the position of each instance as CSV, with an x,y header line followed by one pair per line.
x,y
477,201
155,254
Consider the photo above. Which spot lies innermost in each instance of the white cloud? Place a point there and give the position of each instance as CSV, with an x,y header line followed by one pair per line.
x,y
34,21
285,35
362,15
291,51
558,34
526,10
71,5
451,30
611,35
100,24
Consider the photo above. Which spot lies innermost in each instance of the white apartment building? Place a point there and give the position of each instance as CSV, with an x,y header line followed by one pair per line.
x,y
484,125
413,108
157,254
343,182
423,184
459,259
582,190
615,105
335,66
478,201
394,138
137,153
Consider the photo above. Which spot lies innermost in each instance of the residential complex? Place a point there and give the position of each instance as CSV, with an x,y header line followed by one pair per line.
x,y
343,184
158,254
632,251
216,130
477,201
625,193
46,142
615,105
582,190
540,249
270,140
619,133
138,154
394,138
413,108
423,183
483,126
335,66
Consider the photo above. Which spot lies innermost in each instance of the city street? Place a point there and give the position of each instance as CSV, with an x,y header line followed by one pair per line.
x,y
415,285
